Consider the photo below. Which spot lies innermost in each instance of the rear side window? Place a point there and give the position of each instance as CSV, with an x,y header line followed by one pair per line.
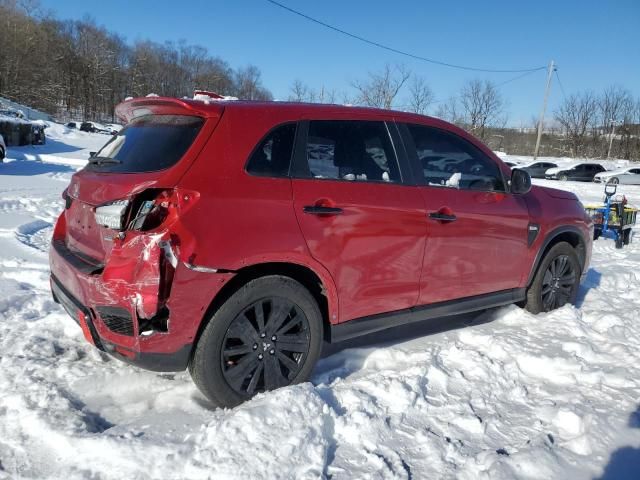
x,y
272,156
448,160
147,144
350,150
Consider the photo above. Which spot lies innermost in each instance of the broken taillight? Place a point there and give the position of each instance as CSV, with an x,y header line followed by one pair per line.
x,y
146,211
111,215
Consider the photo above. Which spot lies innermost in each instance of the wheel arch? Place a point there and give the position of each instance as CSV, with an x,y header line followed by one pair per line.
x,y
322,289
570,234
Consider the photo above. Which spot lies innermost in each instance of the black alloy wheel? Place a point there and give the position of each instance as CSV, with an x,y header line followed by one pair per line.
x,y
265,346
558,283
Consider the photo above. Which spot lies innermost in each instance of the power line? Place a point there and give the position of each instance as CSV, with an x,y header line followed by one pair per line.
x,y
560,83
395,50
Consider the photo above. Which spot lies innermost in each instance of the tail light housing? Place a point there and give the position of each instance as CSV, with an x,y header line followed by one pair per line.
x,y
145,211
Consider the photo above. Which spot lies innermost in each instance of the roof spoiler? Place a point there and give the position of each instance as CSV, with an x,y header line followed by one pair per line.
x,y
137,107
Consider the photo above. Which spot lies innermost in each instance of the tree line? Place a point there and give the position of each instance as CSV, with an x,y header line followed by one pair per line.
x,y
79,69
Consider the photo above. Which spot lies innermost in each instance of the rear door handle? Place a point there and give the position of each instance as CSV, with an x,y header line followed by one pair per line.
x,y
321,210
442,217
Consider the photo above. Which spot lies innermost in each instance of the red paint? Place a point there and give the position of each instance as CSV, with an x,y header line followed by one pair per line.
x,y
383,253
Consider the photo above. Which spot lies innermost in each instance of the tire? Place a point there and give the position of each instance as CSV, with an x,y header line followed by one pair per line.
x,y
548,291
563,178
2,154
627,236
239,353
614,180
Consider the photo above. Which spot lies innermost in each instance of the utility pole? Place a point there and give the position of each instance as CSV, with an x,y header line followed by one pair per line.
x,y
613,132
544,108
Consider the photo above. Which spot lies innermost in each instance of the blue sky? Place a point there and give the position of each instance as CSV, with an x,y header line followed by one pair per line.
x,y
594,43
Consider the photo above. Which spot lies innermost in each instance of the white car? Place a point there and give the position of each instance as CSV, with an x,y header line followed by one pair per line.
x,y
3,149
628,175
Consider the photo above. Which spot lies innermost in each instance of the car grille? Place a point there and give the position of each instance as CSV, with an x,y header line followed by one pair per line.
x,y
116,319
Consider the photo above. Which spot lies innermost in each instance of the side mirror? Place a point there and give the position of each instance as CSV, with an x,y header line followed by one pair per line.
x,y
520,181
92,154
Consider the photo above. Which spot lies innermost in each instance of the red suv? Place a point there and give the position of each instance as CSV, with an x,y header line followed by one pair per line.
x,y
233,238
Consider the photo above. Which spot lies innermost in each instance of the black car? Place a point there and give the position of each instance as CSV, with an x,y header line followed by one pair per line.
x,y
582,172
538,169
87,127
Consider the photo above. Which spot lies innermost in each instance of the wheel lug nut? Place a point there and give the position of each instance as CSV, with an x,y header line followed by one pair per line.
x,y
255,346
262,335
260,357
272,351
274,338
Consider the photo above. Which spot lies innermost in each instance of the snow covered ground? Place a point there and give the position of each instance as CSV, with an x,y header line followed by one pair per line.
x,y
510,395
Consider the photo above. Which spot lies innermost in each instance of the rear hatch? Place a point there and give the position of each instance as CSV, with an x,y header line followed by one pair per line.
x,y
148,156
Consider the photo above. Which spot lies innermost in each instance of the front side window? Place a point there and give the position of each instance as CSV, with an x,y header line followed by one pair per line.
x,y
147,144
350,150
448,160
273,155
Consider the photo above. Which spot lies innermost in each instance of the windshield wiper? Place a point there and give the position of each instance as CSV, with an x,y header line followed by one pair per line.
x,y
104,161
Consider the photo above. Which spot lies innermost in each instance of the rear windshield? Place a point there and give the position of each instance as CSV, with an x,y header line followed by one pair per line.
x,y
147,144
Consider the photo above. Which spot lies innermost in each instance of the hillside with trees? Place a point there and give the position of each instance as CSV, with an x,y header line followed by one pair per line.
x,y
78,68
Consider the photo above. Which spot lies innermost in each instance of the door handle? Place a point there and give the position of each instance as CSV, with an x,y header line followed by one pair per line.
x,y
442,217
321,210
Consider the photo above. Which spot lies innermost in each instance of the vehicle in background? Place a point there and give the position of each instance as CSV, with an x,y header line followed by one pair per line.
x,y
315,223
627,176
538,169
73,125
3,149
511,164
113,128
581,172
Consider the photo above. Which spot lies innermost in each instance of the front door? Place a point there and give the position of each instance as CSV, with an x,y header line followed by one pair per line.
x,y
477,232
358,219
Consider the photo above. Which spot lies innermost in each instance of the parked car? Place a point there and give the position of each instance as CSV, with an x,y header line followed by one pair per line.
x,y
235,244
3,149
581,172
538,169
628,175
73,125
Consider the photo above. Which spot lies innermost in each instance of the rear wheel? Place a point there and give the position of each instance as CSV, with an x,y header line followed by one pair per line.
x,y
556,280
267,335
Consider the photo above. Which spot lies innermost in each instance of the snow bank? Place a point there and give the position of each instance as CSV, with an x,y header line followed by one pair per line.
x,y
511,395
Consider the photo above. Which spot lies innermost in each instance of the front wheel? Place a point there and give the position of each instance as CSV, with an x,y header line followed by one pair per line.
x,y
563,178
556,281
267,335
614,181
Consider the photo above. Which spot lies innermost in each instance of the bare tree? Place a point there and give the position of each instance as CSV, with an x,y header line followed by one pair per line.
x,y
380,89
449,110
300,92
482,106
577,113
249,84
421,95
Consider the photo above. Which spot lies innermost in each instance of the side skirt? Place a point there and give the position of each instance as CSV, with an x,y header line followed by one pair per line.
x,y
375,323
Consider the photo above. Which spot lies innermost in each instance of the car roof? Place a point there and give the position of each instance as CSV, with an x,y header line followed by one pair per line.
x,y
213,108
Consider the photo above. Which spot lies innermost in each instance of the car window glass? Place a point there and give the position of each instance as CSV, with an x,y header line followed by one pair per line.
x,y
273,155
147,144
635,170
351,150
450,161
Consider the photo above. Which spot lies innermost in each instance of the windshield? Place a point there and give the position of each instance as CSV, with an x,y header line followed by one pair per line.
x,y
147,144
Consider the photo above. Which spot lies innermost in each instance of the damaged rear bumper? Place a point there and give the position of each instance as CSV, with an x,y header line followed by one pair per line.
x,y
144,306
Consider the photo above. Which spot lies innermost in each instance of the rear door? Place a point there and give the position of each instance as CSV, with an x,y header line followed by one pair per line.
x,y
477,231
357,217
